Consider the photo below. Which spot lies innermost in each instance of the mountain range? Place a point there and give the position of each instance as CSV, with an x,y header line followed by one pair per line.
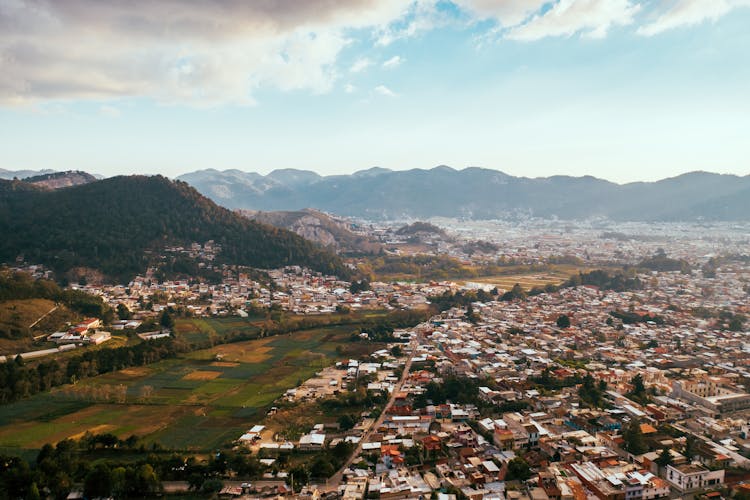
x,y
120,225
478,193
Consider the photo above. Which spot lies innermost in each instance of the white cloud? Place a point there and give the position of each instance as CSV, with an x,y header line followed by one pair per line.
x,y
591,18
385,91
349,88
689,13
393,62
222,52
360,65
422,16
505,12
211,52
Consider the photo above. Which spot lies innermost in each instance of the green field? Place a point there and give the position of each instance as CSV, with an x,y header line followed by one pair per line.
x,y
199,401
211,329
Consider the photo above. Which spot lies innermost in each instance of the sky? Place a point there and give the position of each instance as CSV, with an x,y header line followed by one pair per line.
x,y
624,90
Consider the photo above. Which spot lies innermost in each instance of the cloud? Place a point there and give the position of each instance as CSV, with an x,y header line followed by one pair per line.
x,y
349,88
360,65
592,18
393,62
209,52
422,16
385,91
682,13
217,52
505,12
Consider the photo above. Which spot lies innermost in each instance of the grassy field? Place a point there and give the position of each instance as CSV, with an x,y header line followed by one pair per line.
x,y
20,315
198,401
212,329
556,275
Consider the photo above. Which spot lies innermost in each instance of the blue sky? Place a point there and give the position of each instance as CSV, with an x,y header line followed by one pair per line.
x,y
620,89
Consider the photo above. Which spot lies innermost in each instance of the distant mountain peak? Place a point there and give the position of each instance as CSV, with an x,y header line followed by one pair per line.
x,y
57,180
371,172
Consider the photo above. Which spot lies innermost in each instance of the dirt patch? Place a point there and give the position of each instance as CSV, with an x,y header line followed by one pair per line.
x,y
135,372
257,352
225,364
202,375
97,429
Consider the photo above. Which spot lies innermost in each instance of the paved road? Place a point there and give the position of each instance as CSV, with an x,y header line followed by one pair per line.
x,y
335,480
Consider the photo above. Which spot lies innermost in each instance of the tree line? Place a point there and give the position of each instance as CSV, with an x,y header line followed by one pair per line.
x,y
103,464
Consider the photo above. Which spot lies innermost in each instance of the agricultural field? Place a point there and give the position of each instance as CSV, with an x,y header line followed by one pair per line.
x,y
556,275
198,330
198,401
527,281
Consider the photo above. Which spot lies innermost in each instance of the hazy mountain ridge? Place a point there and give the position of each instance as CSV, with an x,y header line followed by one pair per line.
x,y
22,174
57,180
479,193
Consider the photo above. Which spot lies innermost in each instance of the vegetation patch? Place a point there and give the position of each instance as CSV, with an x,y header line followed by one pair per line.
x,y
202,375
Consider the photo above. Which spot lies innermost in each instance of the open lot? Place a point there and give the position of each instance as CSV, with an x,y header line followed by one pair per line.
x,y
556,275
198,401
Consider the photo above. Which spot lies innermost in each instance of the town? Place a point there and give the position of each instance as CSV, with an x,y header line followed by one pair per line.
x,y
612,385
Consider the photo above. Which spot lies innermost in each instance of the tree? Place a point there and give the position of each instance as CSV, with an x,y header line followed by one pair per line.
x,y
516,292
123,312
34,492
359,286
145,482
298,477
471,315
396,351
592,393
212,485
633,436
563,321
322,468
119,482
519,469
166,320
347,421
98,482
691,446
664,458
638,385
736,324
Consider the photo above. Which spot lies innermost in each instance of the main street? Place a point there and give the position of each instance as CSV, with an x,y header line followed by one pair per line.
x,y
334,482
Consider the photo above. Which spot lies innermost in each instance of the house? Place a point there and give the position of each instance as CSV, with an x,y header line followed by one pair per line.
x,y
98,337
692,477
312,441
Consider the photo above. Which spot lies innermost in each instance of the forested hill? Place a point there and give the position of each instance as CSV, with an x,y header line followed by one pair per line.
x,y
118,224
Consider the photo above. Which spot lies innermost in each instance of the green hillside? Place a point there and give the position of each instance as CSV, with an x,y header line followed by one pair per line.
x,y
119,225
